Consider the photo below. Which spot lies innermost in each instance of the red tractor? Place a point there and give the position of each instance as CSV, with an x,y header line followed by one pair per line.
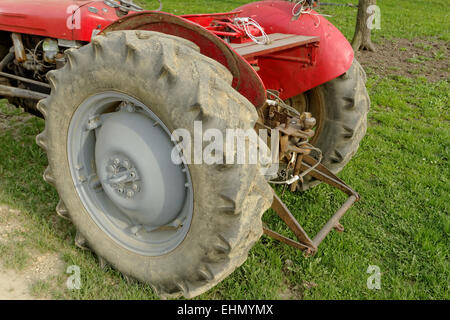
x,y
114,82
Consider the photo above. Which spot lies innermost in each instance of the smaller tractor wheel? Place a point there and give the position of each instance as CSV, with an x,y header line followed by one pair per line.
x,y
340,107
181,228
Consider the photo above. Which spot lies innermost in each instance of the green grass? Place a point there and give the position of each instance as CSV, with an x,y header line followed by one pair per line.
x,y
419,59
401,171
401,19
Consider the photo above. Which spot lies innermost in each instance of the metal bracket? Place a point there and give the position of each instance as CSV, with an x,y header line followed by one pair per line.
x,y
304,243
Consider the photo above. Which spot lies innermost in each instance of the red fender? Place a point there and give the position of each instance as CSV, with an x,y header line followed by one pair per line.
x,y
245,79
334,56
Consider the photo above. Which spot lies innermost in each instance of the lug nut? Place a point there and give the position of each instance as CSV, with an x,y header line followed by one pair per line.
x,y
131,108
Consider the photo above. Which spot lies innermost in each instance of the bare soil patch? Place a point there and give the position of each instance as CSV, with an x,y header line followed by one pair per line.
x,y
17,283
13,123
419,57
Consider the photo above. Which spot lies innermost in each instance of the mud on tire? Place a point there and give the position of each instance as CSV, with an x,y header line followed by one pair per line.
x,y
181,86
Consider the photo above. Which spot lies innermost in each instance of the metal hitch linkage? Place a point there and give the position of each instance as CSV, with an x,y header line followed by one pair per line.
x,y
304,243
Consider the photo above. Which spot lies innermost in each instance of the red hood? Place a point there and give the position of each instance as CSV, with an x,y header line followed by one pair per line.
x,y
53,18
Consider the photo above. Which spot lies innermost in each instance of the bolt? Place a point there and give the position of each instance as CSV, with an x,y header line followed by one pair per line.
x,y
120,190
94,122
131,108
134,230
135,187
130,194
82,179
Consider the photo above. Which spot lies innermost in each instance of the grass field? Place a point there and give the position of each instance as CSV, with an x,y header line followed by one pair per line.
x,y
401,171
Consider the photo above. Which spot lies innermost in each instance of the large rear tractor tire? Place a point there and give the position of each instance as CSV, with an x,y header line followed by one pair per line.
x,y
340,107
109,118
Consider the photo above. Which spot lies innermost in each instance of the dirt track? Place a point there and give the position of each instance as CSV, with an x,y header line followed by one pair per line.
x,y
16,282
424,57
13,286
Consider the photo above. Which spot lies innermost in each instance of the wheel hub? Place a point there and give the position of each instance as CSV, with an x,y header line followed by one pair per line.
x,y
132,154
123,177
123,171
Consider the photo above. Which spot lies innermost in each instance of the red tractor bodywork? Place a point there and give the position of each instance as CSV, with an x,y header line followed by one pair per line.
x,y
47,18
289,69
334,54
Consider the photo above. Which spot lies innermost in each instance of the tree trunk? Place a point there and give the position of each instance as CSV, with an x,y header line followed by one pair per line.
x,y
361,39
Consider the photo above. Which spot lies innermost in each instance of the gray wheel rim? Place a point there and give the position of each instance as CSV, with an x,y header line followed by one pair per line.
x,y
120,161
